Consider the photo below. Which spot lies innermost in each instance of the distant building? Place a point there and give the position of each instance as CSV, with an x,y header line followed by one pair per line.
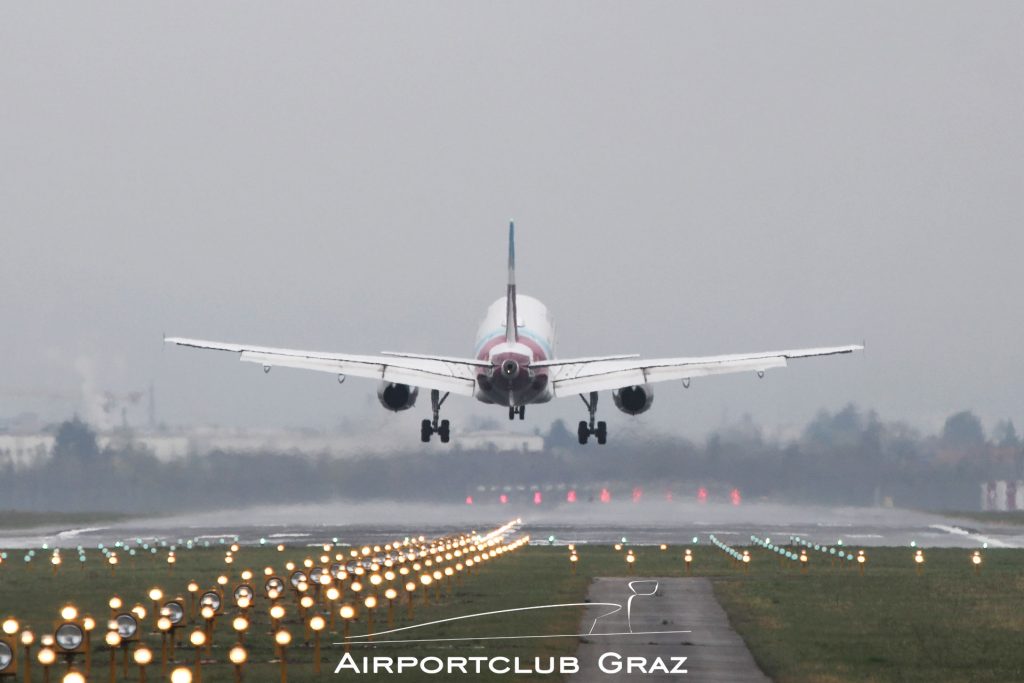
x,y
24,450
1002,496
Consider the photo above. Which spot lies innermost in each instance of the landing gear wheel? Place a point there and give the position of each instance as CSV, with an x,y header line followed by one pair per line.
x,y
435,426
590,427
522,412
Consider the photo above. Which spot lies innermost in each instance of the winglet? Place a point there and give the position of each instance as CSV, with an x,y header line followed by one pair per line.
x,y
511,334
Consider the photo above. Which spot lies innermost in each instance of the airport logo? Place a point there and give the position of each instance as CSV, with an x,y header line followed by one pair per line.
x,y
609,662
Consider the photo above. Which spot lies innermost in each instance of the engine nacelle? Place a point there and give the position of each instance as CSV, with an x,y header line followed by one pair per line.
x,y
634,400
397,397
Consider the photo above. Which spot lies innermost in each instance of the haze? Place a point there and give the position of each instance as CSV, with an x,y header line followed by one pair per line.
x,y
685,177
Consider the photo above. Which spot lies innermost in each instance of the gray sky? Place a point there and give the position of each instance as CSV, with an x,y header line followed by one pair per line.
x,y
687,178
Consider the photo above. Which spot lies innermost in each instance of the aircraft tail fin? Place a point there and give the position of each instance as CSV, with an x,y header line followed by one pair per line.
x,y
511,334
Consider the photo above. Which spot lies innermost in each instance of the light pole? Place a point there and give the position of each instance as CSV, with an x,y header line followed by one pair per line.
x,y
276,614
391,594
47,657
198,639
164,625
347,613
193,588
371,604
27,638
156,595
241,625
426,580
283,638
317,623
115,605
143,657
410,588
113,641
238,657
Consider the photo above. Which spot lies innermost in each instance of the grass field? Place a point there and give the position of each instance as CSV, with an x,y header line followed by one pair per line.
x,y
830,624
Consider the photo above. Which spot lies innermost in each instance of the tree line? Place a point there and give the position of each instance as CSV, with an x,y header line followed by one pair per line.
x,y
849,457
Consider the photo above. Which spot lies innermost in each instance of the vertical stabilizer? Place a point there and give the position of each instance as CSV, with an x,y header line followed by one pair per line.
x,y
511,334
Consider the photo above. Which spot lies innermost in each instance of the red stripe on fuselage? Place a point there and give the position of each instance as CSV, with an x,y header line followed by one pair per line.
x,y
530,343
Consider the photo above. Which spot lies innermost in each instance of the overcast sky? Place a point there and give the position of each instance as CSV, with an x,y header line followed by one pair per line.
x,y
686,178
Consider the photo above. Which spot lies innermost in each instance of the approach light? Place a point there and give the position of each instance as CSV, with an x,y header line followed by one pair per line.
x,y
238,655
69,637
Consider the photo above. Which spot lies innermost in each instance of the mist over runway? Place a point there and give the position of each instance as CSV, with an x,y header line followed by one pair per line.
x,y
639,523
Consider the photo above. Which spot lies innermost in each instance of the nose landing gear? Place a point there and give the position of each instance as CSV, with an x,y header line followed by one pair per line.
x,y
517,410
435,426
587,429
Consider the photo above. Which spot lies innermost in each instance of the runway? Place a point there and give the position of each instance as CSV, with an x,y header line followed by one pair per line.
x,y
582,523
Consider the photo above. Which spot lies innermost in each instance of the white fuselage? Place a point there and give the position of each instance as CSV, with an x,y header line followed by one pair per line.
x,y
512,381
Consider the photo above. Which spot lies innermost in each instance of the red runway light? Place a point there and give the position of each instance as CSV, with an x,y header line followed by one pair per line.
x,y
469,500
702,495
503,499
537,498
571,496
638,493
735,496
606,496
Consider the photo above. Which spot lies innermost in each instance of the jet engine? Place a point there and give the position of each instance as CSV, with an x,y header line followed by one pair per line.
x,y
397,397
634,400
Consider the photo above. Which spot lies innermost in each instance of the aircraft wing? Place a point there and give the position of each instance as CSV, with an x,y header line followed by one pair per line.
x,y
444,374
581,376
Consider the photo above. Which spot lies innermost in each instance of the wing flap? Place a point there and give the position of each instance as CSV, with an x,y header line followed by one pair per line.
x,y
581,376
426,373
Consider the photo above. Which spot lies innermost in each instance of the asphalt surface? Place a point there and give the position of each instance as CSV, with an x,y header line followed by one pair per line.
x,y
582,523
662,620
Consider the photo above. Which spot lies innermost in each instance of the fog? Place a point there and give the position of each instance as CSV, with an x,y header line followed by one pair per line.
x,y
687,178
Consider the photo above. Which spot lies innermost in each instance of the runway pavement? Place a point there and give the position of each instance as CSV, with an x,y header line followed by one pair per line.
x,y
581,523
662,620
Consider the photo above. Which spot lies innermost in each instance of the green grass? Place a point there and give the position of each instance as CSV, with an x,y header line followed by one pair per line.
x,y
890,624
830,624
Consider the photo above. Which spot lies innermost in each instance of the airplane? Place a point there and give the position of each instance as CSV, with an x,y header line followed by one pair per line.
x,y
514,365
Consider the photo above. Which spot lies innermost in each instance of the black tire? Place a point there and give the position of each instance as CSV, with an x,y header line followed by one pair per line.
x,y
511,413
602,433
444,431
425,431
583,432
522,412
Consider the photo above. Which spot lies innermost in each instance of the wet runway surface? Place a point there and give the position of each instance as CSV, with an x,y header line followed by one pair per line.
x,y
639,524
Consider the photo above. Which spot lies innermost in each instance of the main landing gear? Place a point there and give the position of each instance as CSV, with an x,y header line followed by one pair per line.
x,y
434,426
586,429
517,410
